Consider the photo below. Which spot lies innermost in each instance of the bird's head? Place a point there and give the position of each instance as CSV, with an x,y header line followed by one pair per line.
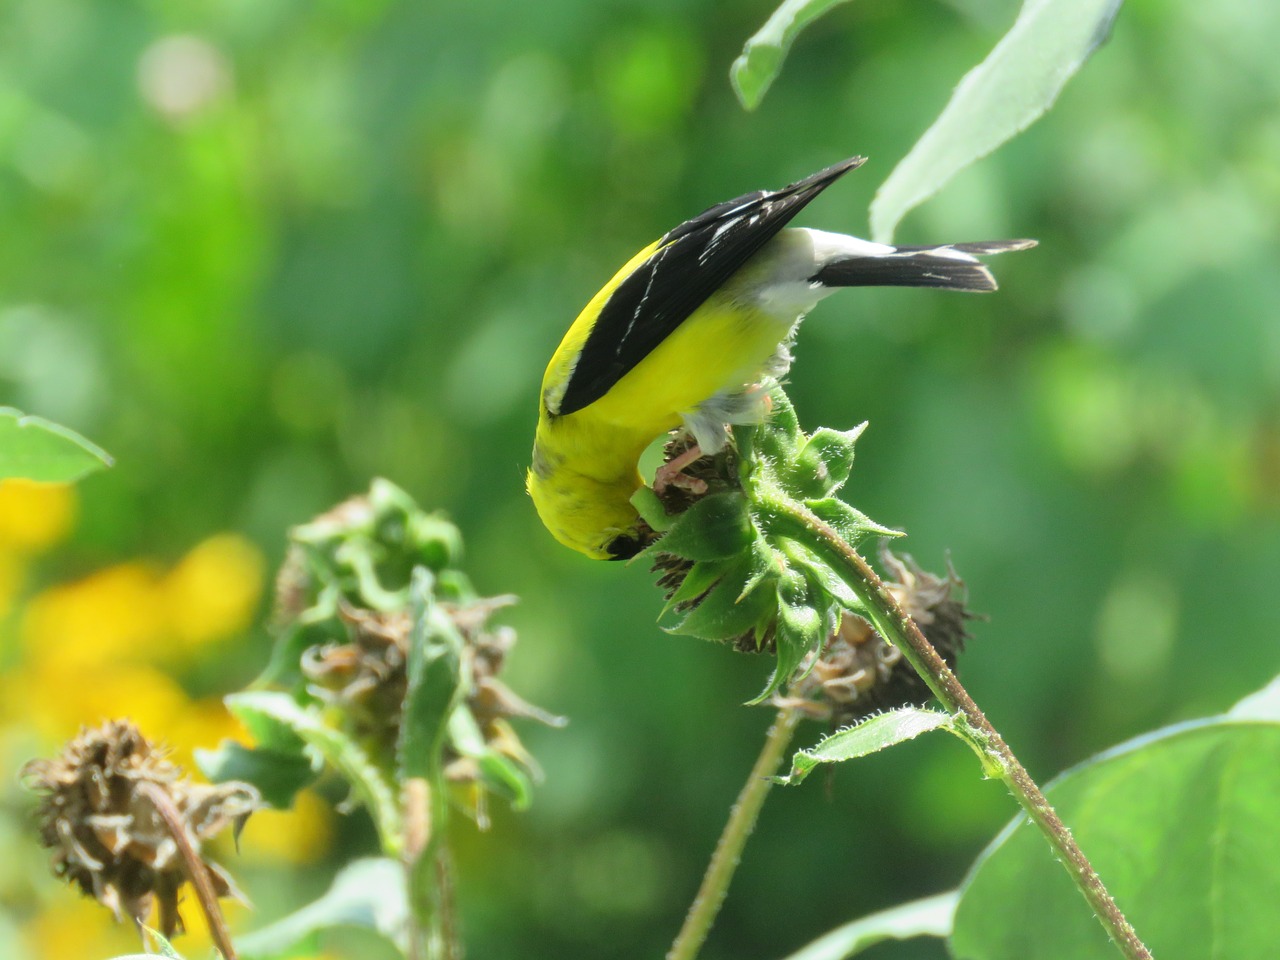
x,y
593,517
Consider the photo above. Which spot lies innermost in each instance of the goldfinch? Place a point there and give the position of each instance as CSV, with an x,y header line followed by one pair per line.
x,y
688,333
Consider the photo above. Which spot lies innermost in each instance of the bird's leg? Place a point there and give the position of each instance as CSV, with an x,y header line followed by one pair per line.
x,y
669,475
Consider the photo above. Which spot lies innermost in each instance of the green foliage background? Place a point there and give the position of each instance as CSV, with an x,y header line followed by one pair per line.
x,y
353,253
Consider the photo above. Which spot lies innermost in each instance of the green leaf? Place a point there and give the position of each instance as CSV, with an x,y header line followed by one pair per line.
x,y
435,683
366,893
36,449
854,526
436,540
699,578
1007,92
776,439
761,59
314,627
869,736
277,775
342,753
1181,826
803,622
501,773
255,709
725,612
715,527
930,917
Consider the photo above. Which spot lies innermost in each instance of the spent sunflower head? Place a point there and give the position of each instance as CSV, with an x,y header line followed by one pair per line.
x,y
102,813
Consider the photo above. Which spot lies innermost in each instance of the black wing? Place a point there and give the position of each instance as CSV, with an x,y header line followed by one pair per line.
x,y
693,261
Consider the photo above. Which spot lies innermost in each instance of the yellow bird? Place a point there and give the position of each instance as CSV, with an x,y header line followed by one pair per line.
x,y
690,332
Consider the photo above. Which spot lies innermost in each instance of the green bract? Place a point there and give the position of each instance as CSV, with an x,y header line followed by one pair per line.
x,y
751,573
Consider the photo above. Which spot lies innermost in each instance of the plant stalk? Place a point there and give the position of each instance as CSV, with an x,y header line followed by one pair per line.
x,y
196,871
900,630
432,933
728,852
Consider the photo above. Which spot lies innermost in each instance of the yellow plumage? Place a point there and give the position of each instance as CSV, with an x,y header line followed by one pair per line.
x,y
681,334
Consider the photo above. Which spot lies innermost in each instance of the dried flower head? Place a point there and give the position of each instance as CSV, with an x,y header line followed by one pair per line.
x,y
366,678
857,672
376,622
107,802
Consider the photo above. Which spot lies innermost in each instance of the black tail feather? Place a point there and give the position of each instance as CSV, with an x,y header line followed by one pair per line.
x,y
935,266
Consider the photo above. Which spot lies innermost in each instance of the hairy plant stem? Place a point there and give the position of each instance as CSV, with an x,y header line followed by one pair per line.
x,y
432,933
900,630
195,869
728,852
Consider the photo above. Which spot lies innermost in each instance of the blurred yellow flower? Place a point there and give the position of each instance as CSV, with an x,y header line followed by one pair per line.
x,y
92,649
109,615
56,700
11,576
35,515
213,591
130,611
199,725
76,927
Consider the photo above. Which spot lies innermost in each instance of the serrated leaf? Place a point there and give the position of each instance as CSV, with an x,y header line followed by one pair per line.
x,y
342,753
33,448
715,527
854,526
434,683
1181,826
869,736
1017,82
930,917
761,59
366,893
277,775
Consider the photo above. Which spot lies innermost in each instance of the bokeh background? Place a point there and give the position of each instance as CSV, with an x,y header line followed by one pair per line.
x,y
264,250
